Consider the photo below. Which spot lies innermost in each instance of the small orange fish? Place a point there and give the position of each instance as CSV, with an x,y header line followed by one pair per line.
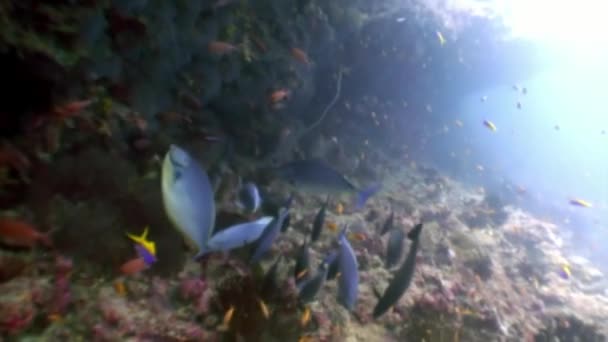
x,y
17,233
120,288
306,338
70,109
301,274
339,208
357,236
333,226
300,56
221,48
279,95
305,317
133,266
227,318
264,309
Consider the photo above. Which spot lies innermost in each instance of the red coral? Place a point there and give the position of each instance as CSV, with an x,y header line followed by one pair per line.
x,y
16,317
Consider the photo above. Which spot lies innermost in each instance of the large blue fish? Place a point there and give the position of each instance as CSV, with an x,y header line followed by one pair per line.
x,y
269,235
238,235
348,282
317,176
402,278
188,197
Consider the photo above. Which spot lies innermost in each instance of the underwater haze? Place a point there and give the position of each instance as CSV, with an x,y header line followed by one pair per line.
x,y
303,170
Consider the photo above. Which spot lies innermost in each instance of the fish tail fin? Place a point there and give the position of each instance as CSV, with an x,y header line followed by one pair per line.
x,y
365,194
415,232
201,254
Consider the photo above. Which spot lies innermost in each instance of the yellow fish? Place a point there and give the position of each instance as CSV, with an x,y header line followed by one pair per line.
x,y
339,209
581,203
490,125
305,317
143,241
227,318
332,226
441,39
264,309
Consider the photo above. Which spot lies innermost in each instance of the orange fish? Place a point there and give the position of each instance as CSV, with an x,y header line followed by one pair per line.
x,y
133,266
120,288
339,209
357,236
17,233
279,95
300,56
71,109
332,226
221,48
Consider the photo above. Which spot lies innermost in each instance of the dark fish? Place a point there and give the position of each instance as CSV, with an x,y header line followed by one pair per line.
x,y
348,282
268,236
315,175
394,247
388,224
286,223
333,265
402,278
271,278
249,198
307,290
302,263
319,221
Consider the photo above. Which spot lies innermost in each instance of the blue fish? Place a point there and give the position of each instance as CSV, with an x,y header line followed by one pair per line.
x,y
333,265
270,233
388,224
348,282
238,235
394,247
308,289
402,278
317,176
249,198
188,197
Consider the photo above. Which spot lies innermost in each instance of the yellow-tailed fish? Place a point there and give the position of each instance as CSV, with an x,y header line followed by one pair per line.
x,y
227,319
490,125
581,203
305,317
143,241
441,39
264,309
188,197
565,271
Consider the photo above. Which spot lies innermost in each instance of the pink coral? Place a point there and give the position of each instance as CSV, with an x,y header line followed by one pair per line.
x,y
192,288
62,296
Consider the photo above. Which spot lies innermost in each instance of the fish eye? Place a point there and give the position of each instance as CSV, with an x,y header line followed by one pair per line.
x,y
177,175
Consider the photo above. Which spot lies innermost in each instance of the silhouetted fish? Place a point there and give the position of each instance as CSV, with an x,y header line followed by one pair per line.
x,y
317,226
388,224
317,176
394,247
268,236
402,278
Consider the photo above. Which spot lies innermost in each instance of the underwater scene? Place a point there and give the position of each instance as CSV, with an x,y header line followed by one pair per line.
x,y
303,170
